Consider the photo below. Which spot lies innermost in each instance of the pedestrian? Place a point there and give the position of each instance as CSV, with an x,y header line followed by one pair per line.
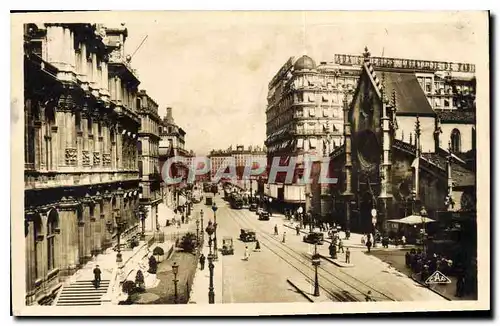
x,y
202,262
276,229
369,244
284,237
403,240
246,255
297,229
182,218
257,245
341,245
97,276
368,296
347,256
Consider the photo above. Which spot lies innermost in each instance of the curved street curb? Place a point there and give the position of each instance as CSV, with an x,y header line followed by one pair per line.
x,y
300,291
414,278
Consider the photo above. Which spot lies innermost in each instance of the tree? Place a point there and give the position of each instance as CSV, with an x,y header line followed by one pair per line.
x,y
188,242
153,265
139,281
158,251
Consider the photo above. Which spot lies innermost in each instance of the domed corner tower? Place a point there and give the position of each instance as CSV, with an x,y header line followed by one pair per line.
x,y
304,63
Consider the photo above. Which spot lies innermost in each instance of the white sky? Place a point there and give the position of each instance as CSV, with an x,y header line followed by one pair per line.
x,y
213,68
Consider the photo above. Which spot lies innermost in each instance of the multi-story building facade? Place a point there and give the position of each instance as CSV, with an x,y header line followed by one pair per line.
x,y
172,144
220,159
149,166
81,173
305,114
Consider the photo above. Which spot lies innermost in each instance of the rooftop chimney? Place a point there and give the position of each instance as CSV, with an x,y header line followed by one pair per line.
x,y
170,118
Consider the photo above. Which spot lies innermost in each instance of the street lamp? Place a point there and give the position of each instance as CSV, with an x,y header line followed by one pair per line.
x,y
119,226
211,293
210,230
316,262
270,201
423,214
175,270
198,230
214,208
140,213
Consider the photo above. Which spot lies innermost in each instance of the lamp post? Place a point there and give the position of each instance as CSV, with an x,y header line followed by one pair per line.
x,y
211,293
175,270
198,230
269,207
214,208
142,217
423,214
316,262
118,232
210,230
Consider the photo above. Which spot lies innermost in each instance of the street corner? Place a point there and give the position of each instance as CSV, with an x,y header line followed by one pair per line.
x,y
337,262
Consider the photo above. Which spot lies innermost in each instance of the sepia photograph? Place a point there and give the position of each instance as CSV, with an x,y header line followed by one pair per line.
x,y
250,162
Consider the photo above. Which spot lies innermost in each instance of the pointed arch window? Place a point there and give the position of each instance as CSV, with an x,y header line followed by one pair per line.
x,y
455,141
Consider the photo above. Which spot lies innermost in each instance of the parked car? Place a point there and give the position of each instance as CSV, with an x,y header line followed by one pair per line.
x,y
264,216
314,237
253,207
227,246
247,235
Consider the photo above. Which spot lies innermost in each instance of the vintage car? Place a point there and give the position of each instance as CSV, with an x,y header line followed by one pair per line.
x,y
314,237
247,235
264,216
227,246
253,207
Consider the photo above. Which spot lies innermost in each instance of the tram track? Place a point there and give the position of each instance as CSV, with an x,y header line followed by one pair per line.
x,y
359,287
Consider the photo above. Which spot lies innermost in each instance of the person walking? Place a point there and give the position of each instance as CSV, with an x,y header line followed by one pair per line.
x,y
368,296
369,244
347,256
97,276
246,255
284,237
341,245
257,245
276,229
403,241
297,229
182,218
202,262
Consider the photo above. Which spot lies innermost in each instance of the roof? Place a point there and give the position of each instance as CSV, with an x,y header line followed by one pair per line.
x,y
456,116
410,98
461,176
304,62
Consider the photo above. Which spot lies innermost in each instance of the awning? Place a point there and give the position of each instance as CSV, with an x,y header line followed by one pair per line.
x,y
413,219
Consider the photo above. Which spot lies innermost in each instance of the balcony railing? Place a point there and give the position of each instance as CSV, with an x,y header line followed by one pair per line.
x,y
41,180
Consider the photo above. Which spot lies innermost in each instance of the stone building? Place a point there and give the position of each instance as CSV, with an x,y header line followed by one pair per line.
x,y
240,156
305,114
81,173
398,154
304,117
148,150
172,144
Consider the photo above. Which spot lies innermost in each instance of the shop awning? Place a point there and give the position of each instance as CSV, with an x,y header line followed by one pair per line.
x,y
413,219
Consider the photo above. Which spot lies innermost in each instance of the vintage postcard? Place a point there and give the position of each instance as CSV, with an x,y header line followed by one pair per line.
x,y
250,163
